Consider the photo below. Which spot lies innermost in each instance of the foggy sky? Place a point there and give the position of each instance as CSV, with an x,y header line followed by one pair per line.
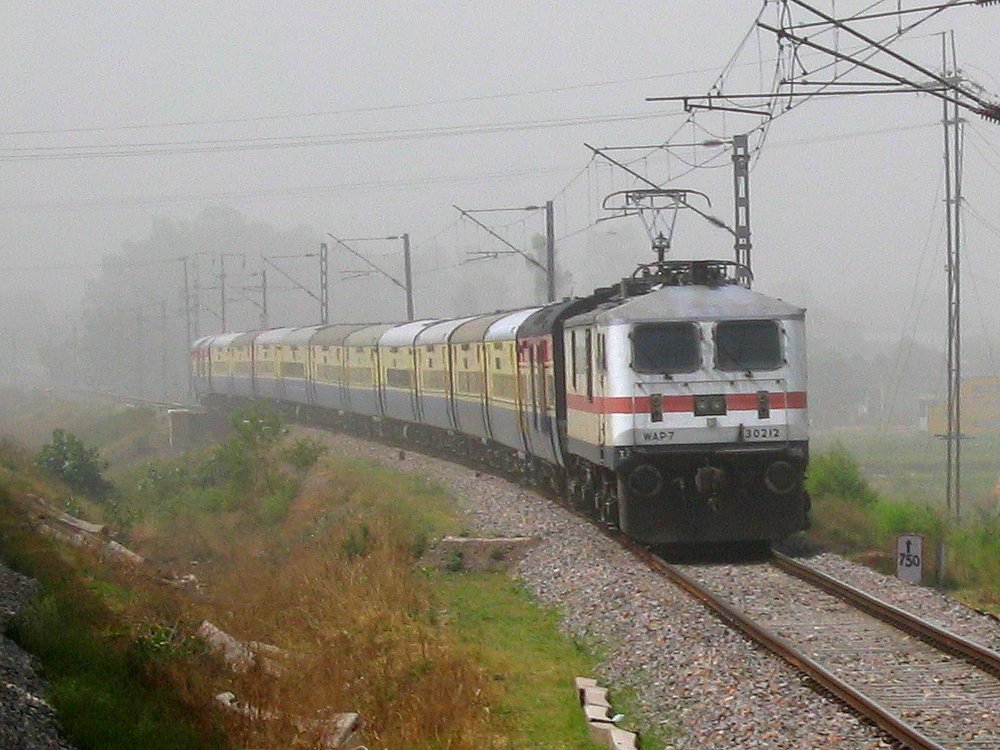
x,y
840,220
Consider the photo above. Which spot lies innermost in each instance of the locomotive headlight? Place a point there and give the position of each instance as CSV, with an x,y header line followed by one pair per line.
x,y
709,406
645,480
781,477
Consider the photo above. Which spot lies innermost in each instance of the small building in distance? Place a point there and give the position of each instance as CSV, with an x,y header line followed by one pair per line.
x,y
980,409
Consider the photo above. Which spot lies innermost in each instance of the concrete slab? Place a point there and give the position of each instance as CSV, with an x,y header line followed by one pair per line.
x,y
596,713
596,696
619,739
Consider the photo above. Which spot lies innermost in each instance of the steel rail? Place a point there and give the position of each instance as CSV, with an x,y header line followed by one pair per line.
x,y
881,716
133,400
944,640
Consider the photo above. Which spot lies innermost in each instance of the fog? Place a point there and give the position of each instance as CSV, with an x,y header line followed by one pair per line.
x,y
132,135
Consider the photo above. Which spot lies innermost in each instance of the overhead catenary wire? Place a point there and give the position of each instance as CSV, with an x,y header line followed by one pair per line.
x,y
289,192
159,148
352,110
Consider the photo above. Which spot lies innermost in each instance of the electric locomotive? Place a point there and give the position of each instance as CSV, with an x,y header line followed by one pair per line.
x,y
686,406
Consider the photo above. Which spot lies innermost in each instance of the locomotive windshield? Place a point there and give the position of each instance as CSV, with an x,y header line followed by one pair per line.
x,y
748,345
666,348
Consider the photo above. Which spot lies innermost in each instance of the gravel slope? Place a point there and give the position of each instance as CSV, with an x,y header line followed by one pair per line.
x,y
695,676
27,722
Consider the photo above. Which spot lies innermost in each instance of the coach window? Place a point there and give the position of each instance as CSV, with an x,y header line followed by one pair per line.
x,y
747,345
666,348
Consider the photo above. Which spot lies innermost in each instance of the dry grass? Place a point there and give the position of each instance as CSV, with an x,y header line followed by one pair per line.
x,y
336,585
362,636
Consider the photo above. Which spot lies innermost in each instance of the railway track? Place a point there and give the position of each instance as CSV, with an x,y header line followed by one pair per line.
x,y
927,688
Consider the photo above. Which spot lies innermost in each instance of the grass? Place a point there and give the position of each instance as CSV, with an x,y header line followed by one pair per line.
x,y
108,695
520,646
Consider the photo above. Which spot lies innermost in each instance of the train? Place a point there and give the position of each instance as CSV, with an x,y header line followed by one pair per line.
x,y
671,404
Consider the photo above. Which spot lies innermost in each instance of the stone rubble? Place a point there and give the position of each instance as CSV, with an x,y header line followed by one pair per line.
x,y
27,721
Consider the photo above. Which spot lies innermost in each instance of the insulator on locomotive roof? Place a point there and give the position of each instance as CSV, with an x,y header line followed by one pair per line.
x,y
991,112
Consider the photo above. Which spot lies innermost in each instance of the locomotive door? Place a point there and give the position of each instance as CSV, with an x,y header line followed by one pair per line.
x,y
600,387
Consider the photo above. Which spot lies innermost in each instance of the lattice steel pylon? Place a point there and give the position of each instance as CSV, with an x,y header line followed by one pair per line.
x,y
953,159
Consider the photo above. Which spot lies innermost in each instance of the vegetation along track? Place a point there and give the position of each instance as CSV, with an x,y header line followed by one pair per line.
x,y
927,688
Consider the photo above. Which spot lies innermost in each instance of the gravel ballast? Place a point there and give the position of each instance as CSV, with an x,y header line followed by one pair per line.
x,y
704,684
27,722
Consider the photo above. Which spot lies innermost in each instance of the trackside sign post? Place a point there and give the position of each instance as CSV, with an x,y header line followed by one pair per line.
x,y
910,557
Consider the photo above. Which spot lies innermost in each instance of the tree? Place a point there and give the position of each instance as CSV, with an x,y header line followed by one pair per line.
x,y
77,465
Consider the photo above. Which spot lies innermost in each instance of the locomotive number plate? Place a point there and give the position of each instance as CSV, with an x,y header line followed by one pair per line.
x,y
764,433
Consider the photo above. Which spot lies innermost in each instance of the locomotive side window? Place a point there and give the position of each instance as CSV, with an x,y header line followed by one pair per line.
x,y
666,348
589,359
748,345
572,353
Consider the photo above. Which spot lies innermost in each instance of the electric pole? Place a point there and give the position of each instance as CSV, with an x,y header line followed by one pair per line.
x,y
953,164
741,199
406,285
550,251
263,298
187,327
407,275
163,349
324,285
222,291
549,269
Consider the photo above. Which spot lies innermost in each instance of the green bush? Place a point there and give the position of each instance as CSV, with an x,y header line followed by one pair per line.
x,y
257,424
357,542
975,553
896,517
836,473
279,491
303,453
77,465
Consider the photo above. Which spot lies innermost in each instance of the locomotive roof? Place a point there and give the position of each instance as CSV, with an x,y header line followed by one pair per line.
x,y
727,302
544,319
